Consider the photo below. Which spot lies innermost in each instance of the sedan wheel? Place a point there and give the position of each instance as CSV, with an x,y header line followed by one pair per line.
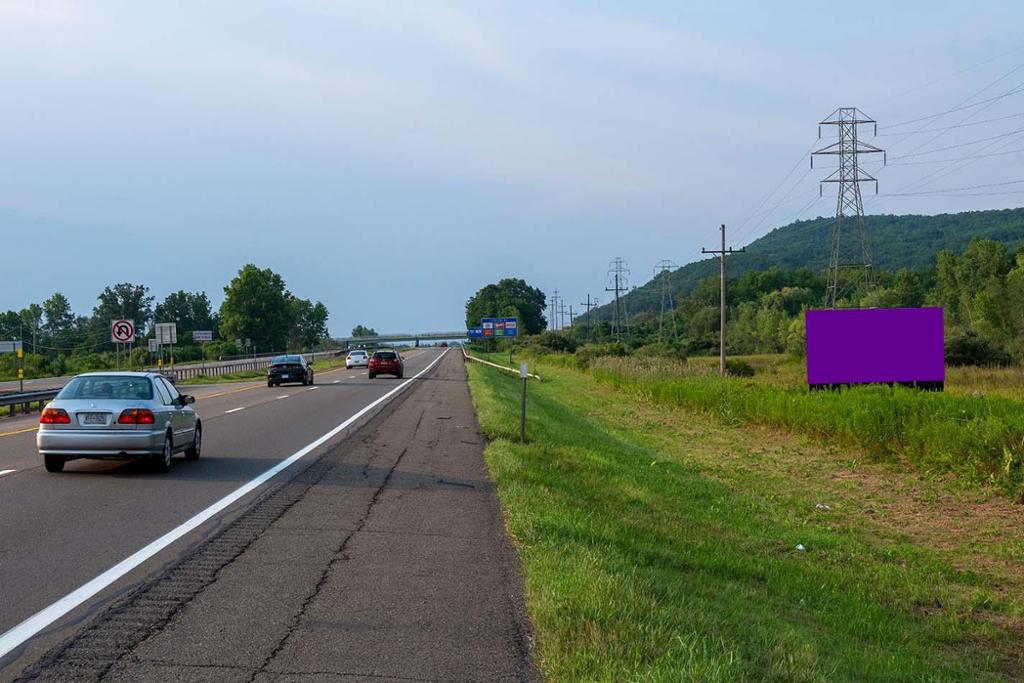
x,y
162,462
192,452
54,463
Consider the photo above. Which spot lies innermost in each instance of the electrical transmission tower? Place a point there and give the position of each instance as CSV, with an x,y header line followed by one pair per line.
x,y
662,271
553,311
618,276
849,256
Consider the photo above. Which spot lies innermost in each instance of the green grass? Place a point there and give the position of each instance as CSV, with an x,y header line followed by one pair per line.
x,y
981,437
647,559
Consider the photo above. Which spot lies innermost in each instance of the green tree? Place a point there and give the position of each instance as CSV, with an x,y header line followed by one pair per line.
x,y
124,300
257,306
310,324
363,331
32,318
190,310
58,315
510,297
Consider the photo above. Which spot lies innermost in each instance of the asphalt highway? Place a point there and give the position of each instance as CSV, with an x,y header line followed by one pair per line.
x,y
60,531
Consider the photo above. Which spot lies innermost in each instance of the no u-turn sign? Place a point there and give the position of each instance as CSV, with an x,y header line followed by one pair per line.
x,y
122,331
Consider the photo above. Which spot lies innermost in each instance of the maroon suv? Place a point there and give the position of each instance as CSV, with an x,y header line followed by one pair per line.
x,y
386,363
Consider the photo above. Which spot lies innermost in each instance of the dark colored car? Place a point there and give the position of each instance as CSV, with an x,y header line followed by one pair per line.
x,y
386,363
284,369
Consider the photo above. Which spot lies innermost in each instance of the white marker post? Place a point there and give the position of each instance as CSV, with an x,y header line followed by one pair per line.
x,y
523,373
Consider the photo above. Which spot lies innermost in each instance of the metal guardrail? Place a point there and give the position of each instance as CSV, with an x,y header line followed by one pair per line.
x,y
220,369
24,400
514,371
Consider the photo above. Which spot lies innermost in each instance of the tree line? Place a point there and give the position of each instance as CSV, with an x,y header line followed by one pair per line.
x,y
257,306
981,289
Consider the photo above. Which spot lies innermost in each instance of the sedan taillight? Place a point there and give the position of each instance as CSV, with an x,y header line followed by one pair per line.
x,y
136,416
55,416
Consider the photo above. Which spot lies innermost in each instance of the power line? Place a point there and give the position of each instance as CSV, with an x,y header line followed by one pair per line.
x,y
959,125
753,229
949,76
954,159
1017,89
953,167
962,194
961,144
959,189
776,189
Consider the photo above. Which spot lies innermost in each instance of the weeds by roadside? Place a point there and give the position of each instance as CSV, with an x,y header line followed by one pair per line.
x,y
658,546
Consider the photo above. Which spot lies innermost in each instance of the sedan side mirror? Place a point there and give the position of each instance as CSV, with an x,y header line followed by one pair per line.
x,y
185,399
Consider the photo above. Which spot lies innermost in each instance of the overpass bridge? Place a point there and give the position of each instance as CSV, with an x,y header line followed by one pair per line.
x,y
348,342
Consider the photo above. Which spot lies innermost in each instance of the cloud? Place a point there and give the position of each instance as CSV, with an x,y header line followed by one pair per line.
x,y
39,11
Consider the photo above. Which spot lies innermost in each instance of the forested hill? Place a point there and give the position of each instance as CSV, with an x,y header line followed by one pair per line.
x,y
895,242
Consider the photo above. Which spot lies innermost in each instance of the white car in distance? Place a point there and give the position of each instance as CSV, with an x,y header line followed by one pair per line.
x,y
358,358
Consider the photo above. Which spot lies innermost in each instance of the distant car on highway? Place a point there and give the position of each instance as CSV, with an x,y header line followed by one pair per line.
x,y
357,358
386,363
112,415
292,368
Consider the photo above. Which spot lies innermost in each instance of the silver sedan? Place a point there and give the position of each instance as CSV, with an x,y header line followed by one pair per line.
x,y
111,415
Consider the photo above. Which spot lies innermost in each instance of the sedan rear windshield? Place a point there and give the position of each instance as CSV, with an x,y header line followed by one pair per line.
x,y
385,355
286,360
114,387
357,353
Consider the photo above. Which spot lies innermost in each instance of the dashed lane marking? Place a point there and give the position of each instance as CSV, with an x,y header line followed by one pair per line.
x,y
312,388
225,393
285,396
234,410
45,617
3,472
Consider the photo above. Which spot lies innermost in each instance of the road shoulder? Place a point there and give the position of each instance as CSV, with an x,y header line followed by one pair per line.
x,y
385,558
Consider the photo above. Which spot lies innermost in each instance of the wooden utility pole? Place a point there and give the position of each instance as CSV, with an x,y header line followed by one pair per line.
x,y
721,269
588,314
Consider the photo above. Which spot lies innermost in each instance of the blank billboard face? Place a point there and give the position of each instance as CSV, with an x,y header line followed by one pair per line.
x,y
860,346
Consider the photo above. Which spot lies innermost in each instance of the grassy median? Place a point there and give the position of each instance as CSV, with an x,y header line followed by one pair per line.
x,y
661,544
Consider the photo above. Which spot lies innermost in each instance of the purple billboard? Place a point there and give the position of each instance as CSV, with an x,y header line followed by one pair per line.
x,y
867,345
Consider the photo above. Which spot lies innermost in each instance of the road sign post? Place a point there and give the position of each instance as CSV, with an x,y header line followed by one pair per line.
x,y
523,374
122,333
167,335
202,336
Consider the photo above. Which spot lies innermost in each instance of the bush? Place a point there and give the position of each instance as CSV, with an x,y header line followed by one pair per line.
x,y
556,342
588,352
971,349
980,437
675,351
738,368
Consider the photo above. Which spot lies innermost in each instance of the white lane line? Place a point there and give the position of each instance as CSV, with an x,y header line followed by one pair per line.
x,y
234,410
335,381
3,472
45,617
351,376
312,388
285,396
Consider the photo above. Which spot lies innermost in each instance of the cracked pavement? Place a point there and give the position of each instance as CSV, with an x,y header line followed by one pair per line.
x,y
384,559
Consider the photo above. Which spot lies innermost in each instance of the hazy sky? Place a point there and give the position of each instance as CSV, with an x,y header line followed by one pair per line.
x,y
390,158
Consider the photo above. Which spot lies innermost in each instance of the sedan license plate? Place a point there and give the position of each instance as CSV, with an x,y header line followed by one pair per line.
x,y
93,418
285,375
